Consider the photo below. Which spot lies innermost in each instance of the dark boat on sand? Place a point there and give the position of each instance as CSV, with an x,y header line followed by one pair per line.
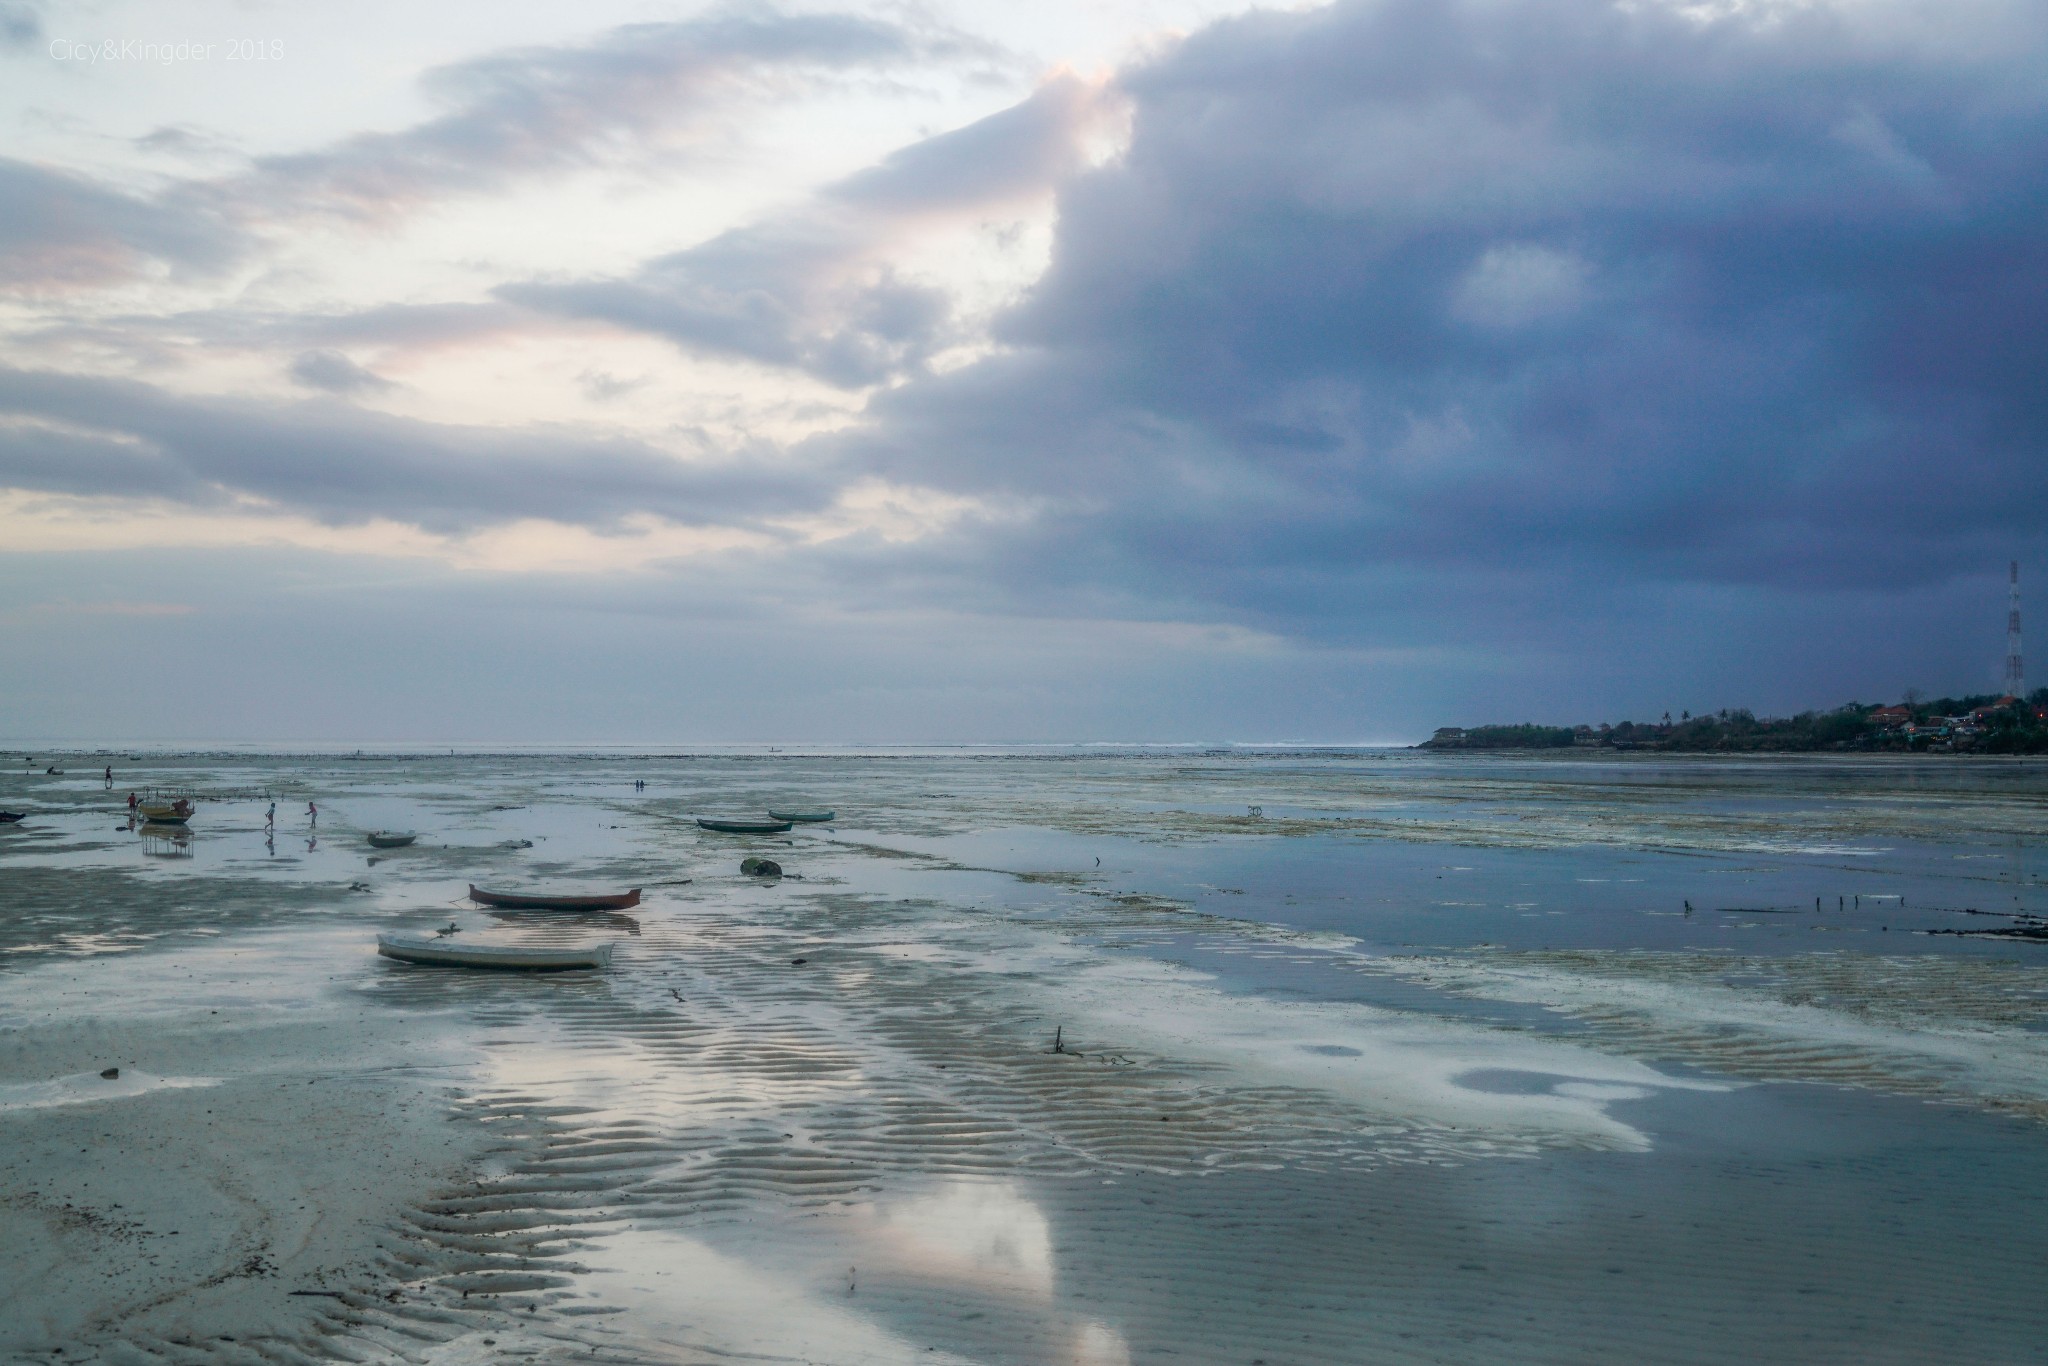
x,y
802,815
12,817
541,899
743,826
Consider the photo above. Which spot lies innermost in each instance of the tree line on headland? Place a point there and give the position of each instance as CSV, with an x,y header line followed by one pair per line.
x,y
1988,723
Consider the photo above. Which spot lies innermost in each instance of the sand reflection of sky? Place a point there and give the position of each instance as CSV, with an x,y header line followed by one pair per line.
x,y
1393,1063
946,1272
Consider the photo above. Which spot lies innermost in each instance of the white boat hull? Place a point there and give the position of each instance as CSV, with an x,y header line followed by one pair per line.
x,y
445,953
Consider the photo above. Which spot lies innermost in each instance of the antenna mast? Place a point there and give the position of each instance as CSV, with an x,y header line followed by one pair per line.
x,y
2015,668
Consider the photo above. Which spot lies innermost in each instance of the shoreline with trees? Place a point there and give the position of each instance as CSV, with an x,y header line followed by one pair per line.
x,y
1988,723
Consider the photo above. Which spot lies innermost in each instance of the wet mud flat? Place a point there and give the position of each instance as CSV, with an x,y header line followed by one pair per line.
x,y
1308,1103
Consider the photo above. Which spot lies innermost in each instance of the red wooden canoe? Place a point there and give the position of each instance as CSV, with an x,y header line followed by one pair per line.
x,y
543,900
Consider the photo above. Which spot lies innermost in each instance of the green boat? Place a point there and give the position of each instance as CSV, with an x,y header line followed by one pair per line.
x,y
743,827
803,817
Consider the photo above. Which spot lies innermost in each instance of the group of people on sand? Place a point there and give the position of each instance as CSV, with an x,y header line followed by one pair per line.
x,y
269,817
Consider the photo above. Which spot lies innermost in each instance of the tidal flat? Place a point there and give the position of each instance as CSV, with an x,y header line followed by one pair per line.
x,y
1058,1056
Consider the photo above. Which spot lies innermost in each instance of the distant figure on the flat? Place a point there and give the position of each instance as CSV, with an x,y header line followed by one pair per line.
x,y
270,817
110,777
312,814
133,802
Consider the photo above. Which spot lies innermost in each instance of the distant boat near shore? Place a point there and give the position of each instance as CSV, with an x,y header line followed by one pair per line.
x,y
391,839
440,952
546,899
802,815
743,825
166,813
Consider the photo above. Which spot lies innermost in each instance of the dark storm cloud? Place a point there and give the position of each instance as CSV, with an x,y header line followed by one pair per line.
x,y
21,27
335,373
1531,288
754,295
94,437
61,231
800,289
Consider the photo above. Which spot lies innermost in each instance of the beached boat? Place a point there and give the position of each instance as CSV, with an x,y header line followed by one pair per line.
x,y
12,817
445,952
391,839
802,817
166,813
743,826
542,899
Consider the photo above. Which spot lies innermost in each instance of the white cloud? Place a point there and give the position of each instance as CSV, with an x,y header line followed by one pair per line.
x,y
1515,284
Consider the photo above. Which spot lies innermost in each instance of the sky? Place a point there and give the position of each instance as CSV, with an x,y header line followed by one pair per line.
x,y
1174,370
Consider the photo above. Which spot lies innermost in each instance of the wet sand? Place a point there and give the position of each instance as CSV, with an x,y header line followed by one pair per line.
x,y
1278,1127
260,1132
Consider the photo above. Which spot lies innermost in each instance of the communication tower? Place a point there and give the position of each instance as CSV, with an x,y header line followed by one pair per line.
x,y
2015,667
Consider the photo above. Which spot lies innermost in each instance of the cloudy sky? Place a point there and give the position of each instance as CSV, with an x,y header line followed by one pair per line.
x,y
1082,370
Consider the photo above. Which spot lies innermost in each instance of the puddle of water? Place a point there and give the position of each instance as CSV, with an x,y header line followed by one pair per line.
x,y
90,1088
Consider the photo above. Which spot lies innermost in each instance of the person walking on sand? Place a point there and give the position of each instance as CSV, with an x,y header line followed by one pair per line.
x,y
133,802
312,814
270,817
110,777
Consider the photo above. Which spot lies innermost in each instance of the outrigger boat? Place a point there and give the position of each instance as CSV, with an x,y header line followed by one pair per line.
x,y
441,952
165,813
802,817
391,839
544,900
743,827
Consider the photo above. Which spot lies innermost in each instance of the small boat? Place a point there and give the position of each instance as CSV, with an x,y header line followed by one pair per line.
x,y
743,827
444,952
541,899
13,817
391,839
166,813
802,817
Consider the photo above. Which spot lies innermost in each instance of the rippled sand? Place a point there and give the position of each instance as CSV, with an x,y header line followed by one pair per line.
x,y
1323,1090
